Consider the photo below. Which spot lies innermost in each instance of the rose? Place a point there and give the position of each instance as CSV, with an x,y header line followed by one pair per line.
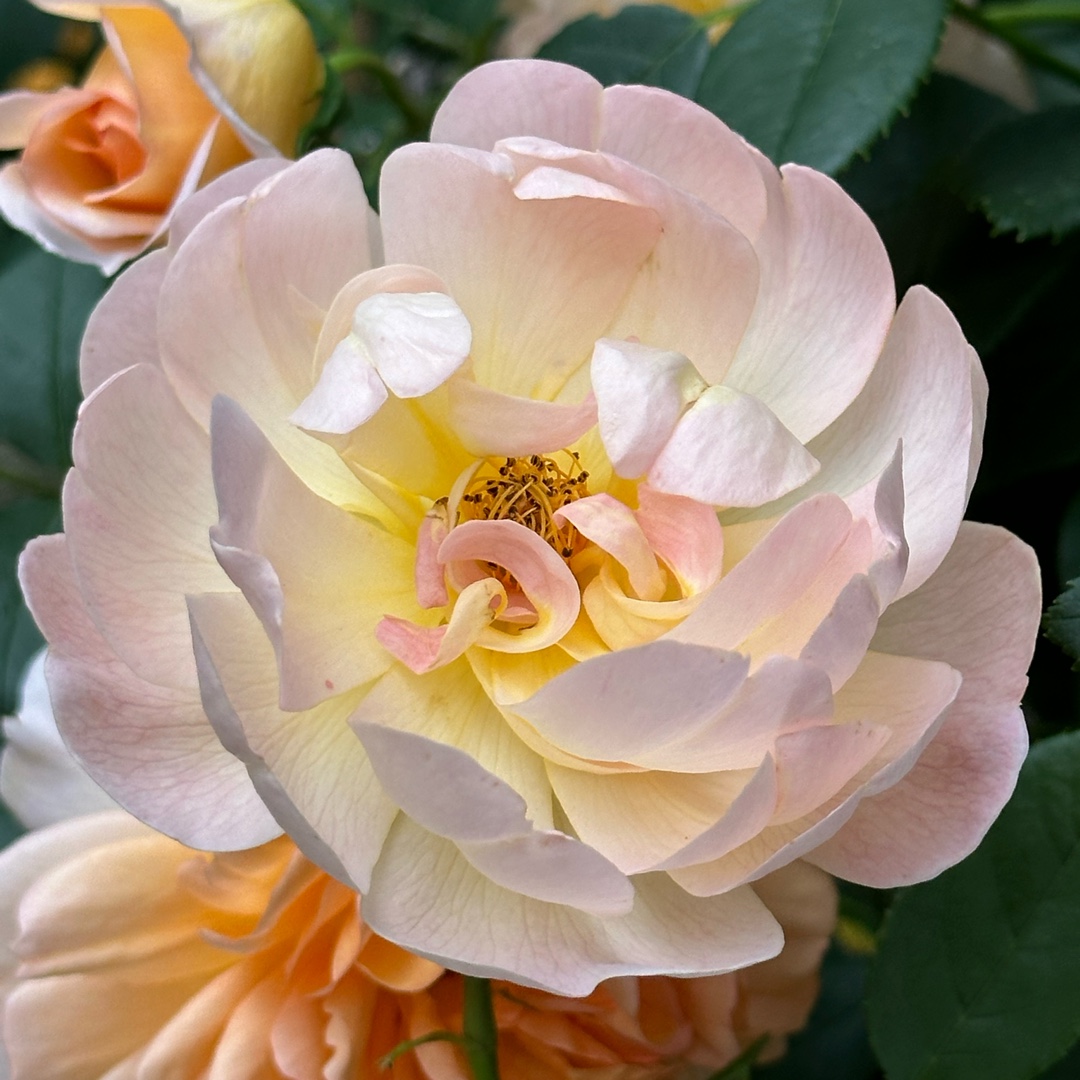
x,y
596,556
177,96
149,953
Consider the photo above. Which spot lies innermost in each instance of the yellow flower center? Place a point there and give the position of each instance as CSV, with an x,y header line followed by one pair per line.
x,y
528,490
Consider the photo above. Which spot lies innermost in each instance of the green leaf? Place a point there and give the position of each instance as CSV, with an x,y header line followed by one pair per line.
x,y
977,975
19,637
816,81
656,45
1061,623
833,1045
1025,174
44,305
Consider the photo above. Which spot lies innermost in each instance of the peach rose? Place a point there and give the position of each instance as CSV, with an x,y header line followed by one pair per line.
x,y
552,564
178,95
121,949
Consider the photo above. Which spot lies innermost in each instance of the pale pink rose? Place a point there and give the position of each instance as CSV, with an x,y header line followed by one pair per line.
x,y
550,724
179,94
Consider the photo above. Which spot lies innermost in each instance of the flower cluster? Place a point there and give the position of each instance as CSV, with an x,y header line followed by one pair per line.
x,y
553,560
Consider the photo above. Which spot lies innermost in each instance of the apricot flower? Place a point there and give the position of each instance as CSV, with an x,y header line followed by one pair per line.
x,y
553,564
179,94
122,950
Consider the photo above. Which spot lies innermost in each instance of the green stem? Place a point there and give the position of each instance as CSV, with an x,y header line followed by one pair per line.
x,y
1030,51
356,58
481,1036
1034,11
740,1067
387,1060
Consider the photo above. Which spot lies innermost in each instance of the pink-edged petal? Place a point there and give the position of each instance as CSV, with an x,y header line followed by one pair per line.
x,y
645,820
39,779
812,765
426,897
687,146
640,394
729,449
520,97
122,329
539,279
621,704
695,293
491,424
428,572
290,245
824,304
308,766
841,639
424,648
447,792
921,392
141,484
980,613
684,533
773,576
911,699
319,578
613,527
238,182
783,695
149,746
544,578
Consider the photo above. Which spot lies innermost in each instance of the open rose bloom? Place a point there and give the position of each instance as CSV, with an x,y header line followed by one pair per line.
x,y
179,94
552,560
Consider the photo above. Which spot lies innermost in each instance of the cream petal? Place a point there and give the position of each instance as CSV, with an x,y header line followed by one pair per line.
x,y
640,394
643,821
20,111
979,612
622,704
520,97
307,766
455,211
149,746
450,706
491,424
544,578
729,449
319,578
349,392
824,305
447,792
427,897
